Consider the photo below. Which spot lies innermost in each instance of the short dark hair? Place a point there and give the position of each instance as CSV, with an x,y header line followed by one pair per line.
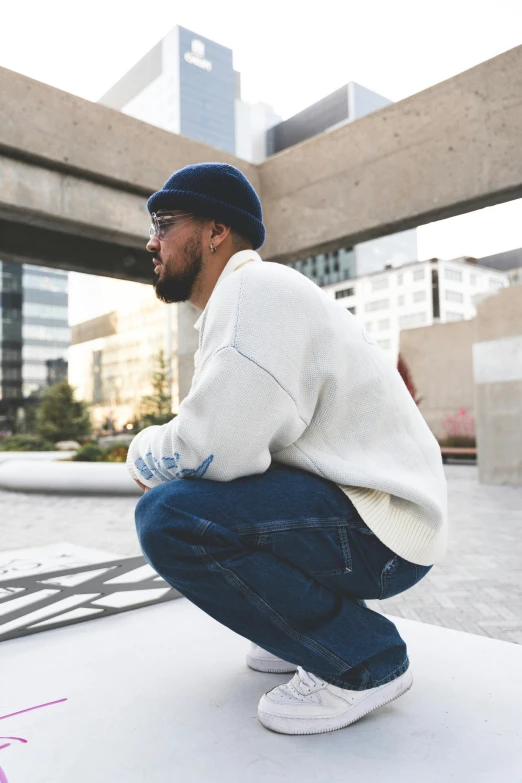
x,y
240,241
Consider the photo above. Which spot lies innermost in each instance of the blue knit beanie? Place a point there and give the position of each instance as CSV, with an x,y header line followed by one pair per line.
x,y
214,190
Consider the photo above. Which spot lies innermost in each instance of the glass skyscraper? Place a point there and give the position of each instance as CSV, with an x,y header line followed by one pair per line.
x,y
34,335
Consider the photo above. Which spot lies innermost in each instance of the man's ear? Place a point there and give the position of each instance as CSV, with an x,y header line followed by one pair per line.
x,y
219,233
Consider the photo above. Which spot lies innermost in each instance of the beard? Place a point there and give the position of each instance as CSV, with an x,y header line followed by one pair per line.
x,y
177,286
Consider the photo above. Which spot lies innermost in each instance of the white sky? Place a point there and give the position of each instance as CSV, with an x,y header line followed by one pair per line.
x,y
290,54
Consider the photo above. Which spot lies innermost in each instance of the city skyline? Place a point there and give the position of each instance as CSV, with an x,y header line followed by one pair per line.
x,y
314,52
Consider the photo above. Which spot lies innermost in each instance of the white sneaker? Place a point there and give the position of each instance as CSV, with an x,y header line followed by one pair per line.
x,y
263,661
308,705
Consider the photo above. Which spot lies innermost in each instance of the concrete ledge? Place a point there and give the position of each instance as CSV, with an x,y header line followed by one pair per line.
x,y
39,456
79,478
164,694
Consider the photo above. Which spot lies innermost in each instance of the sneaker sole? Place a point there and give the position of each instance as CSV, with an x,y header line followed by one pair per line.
x,y
272,667
296,725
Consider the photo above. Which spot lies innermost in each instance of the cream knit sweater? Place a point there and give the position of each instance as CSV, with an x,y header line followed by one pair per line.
x,y
284,372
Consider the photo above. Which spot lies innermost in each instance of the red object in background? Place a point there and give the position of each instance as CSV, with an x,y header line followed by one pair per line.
x,y
404,372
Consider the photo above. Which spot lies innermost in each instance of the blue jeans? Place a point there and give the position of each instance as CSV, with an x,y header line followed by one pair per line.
x,y
283,559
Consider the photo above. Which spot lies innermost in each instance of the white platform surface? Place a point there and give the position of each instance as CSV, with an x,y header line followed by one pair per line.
x,y
163,695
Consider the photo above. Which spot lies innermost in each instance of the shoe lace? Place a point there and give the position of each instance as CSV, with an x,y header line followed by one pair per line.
x,y
302,683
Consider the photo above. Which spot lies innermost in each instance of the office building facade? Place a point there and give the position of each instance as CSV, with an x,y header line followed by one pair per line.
x,y
186,84
34,335
341,107
418,294
113,358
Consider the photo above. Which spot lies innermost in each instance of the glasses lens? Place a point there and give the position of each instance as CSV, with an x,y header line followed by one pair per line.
x,y
161,223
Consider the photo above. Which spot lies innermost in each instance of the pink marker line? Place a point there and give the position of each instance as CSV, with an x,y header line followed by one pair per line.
x,y
38,706
3,777
20,739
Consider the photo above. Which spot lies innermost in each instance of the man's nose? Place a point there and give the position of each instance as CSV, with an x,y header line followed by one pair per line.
x,y
153,244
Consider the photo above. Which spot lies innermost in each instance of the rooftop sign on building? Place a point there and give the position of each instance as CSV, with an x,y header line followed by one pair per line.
x,y
196,56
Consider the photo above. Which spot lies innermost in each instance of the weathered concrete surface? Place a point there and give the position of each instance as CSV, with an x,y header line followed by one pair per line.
x,y
497,369
63,132
445,151
74,170
440,362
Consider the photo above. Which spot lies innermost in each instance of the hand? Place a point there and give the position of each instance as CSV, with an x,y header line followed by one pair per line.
x,y
143,487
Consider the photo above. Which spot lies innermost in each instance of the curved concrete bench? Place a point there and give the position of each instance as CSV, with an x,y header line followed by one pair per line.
x,y
78,478
40,456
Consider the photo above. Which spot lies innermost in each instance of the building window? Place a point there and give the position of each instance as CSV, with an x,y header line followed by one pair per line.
x,y
453,296
473,279
414,319
400,279
453,274
344,292
37,310
418,274
495,283
400,300
383,325
55,283
380,304
43,353
12,355
454,316
419,296
379,283
11,284
10,314
352,310
385,344
51,333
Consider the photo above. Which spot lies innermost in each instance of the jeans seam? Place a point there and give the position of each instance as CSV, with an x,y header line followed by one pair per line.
x,y
345,545
234,579
385,574
281,526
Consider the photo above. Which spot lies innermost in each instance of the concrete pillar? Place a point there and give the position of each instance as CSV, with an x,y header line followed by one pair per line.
x,y
188,340
497,371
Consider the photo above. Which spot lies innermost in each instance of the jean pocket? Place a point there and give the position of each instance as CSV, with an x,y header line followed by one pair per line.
x,y
399,575
316,549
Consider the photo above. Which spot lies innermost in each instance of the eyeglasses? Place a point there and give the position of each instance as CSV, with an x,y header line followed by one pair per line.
x,y
160,223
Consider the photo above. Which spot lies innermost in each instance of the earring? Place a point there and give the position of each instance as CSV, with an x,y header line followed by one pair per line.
x,y
212,247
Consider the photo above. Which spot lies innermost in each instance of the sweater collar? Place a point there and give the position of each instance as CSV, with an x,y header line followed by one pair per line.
x,y
234,262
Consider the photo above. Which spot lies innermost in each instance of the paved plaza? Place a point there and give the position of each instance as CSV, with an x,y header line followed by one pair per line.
x,y
478,588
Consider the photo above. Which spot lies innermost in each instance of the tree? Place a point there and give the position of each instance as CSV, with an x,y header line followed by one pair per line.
x,y
158,404
404,372
60,416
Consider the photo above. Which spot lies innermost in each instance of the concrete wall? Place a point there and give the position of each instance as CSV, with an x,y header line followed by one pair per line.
x,y
447,150
440,360
82,170
442,152
497,368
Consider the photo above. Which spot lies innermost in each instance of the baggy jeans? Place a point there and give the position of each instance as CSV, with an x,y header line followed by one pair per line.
x,y
284,559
